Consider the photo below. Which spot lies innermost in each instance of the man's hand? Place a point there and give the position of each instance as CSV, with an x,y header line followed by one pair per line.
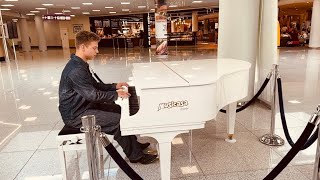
x,y
123,94
119,85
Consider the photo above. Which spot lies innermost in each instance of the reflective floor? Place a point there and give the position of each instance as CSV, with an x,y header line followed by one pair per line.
x,y
30,121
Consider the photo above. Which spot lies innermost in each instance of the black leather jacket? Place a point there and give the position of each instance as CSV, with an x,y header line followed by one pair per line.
x,y
78,89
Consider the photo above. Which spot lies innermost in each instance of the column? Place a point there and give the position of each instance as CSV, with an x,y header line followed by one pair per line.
x,y
194,21
161,27
315,25
41,34
268,53
2,54
25,41
238,37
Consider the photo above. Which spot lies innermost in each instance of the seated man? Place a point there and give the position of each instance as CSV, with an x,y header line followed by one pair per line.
x,y
81,95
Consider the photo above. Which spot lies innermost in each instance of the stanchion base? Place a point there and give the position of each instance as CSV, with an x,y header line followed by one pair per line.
x,y
272,140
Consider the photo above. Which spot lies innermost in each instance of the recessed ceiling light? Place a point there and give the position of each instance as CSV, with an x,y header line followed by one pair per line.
x,y
108,7
58,13
125,10
141,7
47,4
96,10
196,1
30,14
125,2
41,8
4,9
66,11
112,12
7,5
85,13
35,11
72,15
87,3
173,5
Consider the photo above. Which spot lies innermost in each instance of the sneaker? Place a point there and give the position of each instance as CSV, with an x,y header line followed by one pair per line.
x,y
146,159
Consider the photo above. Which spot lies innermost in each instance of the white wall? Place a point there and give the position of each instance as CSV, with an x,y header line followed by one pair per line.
x,y
52,30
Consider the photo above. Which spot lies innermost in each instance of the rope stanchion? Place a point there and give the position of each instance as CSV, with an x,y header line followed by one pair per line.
x,y
296,148
117,157
93,132
265,83
314,136
272,139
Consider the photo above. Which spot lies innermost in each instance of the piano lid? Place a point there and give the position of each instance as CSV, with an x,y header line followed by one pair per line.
x,y
208,71
156,75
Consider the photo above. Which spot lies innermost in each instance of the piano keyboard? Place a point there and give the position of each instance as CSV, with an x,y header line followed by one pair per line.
x,y
133,101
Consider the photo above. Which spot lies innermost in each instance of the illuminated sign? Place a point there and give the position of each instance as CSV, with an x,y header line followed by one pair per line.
x,y
56,17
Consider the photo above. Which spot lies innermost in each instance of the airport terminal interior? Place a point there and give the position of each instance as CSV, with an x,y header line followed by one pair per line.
x,y
38,38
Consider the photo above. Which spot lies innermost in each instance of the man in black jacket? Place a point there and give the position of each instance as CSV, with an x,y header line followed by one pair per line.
x,y
80,95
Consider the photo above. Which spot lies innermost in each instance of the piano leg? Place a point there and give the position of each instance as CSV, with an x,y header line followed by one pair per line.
x,y
164,139
231,120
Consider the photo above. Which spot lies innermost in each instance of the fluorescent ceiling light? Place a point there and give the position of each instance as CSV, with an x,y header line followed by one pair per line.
x,y
30,14
47,4
125,9
108,7
151,9
112,12
85,13
34,11
196,1
173,6
14,19
125,2
87,3
96,10
11,0
41,8
141,7
4,9
75,7
58,13
72,15
7,5
66,11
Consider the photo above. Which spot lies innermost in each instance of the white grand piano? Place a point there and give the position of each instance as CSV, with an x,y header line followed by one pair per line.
x,y
178,96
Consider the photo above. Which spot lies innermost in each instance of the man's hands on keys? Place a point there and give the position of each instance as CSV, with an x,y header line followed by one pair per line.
x,y
121,84
123,94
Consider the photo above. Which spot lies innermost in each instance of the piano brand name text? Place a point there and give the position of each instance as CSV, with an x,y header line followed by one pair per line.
x,y
173,104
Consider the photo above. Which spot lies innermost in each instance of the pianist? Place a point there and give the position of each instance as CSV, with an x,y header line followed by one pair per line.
x,y
80,94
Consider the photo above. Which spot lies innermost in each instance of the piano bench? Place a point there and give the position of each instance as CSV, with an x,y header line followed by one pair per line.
x,y
69,139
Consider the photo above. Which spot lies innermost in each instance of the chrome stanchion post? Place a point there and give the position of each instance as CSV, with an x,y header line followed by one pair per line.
x,y
272,139
88,126
316,170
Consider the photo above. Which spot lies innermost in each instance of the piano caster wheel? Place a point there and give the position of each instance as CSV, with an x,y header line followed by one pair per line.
x,y
230,139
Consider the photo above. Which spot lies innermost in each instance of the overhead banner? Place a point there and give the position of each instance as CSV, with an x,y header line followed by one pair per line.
x,y
161,27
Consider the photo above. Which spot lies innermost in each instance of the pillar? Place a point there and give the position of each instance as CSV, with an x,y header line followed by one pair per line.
x,y
194,21
41,34
238,37
25,41
315,25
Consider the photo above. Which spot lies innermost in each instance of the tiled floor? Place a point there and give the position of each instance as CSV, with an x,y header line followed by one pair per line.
x,y
30,121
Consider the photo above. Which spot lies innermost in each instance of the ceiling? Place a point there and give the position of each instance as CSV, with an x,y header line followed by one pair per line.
x,y
296,7
25,6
